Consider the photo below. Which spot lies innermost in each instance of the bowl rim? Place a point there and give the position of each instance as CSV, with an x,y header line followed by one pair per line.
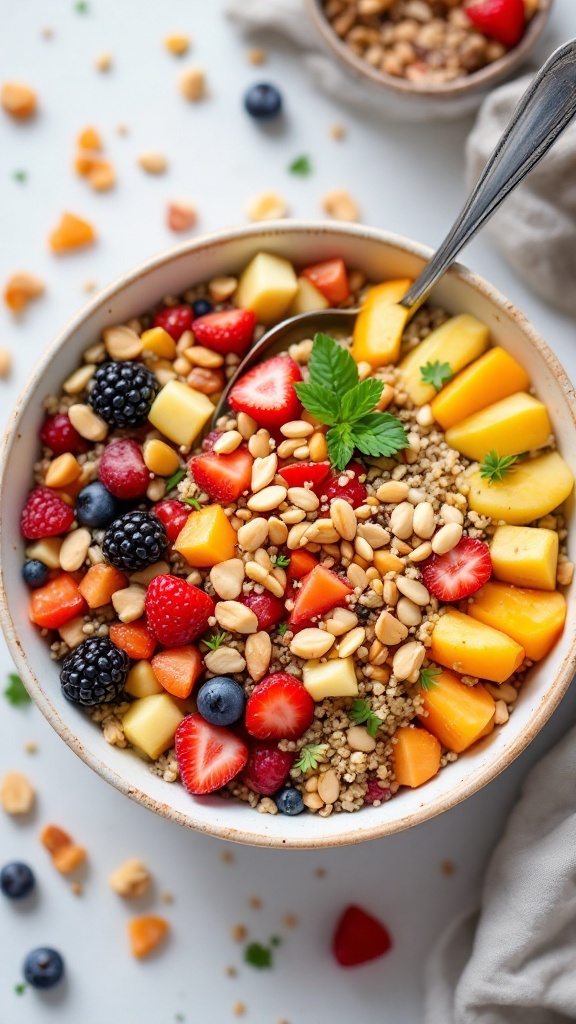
x,y
428,809
484,78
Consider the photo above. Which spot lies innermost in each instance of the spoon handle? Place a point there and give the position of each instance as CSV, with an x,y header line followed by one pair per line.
x,y
544,111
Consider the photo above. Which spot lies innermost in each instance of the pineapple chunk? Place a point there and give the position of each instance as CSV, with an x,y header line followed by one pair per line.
x,y
307,299
492,377
525,556
534,618
516,424
267,286
457,342
474,649
380,324
141,680
46,551
151,722
335,678
207,537
532,490
180,412
158,341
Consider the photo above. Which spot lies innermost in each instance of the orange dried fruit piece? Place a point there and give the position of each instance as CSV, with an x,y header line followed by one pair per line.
x,y
69,858
89,139
145,934
71,233
55,839
18,100
102,176
85,162
20,289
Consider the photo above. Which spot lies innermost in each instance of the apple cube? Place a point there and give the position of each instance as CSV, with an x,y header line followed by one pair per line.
x,y
180,412
141,681
307,298
334,678
151,722
267,286
525,556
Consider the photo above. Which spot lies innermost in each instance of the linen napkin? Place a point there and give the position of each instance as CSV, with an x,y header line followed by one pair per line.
x,y
515,963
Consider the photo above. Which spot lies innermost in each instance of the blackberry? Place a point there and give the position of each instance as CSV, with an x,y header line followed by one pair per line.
x,y
95,672
134,540
122,393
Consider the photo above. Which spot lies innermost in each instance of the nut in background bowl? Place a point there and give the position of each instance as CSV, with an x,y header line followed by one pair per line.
x,y
379,255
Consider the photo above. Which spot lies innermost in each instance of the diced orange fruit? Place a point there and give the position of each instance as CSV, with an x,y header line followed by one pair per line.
x,y
135,638
56,602
178,669
69,858
18,100
102,176
319,592
455,713
471,648
146,933
385,562
55,838
85,162
534,618
380,324
207,538
100,582
301,563
20,289
416,756
488,379
331,280
89,139
71,233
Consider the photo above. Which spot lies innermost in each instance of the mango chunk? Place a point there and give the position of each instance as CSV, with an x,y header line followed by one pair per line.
x,y
525,556
385,562
534,618
471,648
158,341
380,324
71,233
151,722
416,756
455,713
267,286
335,678
307,298
180,412
488,379
532,490
516,424
145,934
207,538
457,342
141,681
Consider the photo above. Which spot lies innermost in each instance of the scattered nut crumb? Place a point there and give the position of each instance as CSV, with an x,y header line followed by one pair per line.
x,y
289,920
89,286
231,971
256,56
227,856
20,289
178,44
239,1009
320,872
5,363
18,100
192,84
167,897
239,932
153,163
337,131
17,793
266,206
130,879
30,746
77,888
255,902
340,205
122,129
447,868
181,215
222,288
47,33
103,61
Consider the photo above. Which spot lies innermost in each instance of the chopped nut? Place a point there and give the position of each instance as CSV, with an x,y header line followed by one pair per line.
x,y
227,578
236,617
129,603
258,653
224,661
256,56
17,794
222,288
239,932
340,205
153,162
311,643
87,423
131,879
74,550
266,206
103,61
192,84
337,131
20,289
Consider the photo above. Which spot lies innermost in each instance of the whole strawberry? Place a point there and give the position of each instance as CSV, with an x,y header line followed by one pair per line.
x,y
45,515
177,612
503,20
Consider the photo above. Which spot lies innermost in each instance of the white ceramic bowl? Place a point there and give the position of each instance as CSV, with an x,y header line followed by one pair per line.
x,y
380,256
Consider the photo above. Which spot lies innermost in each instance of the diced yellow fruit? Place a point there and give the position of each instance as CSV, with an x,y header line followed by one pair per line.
x,y
267,286
471,648
160,458
180,412
385,562
207,537
492,377
380,324
534,618
330,678
525,556
455,713
307,299
151,722
63,470
141,681
457,342
158,341
519,423
532,490
46,551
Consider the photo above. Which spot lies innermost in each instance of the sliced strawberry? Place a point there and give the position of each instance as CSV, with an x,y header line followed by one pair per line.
x,y
174,514
208,756
320,591
266,392
267,768
301,563
460,572
351,490
175,320
223,477
269,610
230,330
301,473
359,938
331,280
503,20
279,708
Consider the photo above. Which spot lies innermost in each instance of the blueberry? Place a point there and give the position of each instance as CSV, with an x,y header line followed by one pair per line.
x,y
201,307
43,968
16,880
35,573
263,101
221,700
96,507
289,801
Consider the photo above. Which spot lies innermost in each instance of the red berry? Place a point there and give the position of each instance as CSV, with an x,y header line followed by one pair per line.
x,y
503,20
375,792
175,320
174,514
266,392
210,440
229,330
58,434
279,708
177,612
359,937
460,572
331,280
45,515
267,768
301,563
122,469
269,610
208,756
301,473
223,477
352,490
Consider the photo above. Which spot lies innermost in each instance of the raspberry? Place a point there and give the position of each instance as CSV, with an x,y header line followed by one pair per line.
x,y
175,320
45,515
134,540
177,612
122,470
267,768
174,514
58,434
374,792
95,672
122,393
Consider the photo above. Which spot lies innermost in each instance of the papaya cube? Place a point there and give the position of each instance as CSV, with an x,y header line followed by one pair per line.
x,y
56,602
145,934
100,583
380,324
488,379
455,713
207,538
519,423
534,618
151,722
416,756
335,678
457,342
267,286
532,490
141,681
525,556
307,299
71,233
461,643
180,412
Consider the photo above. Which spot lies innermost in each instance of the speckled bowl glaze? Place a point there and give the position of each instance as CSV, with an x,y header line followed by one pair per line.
x,y
379,255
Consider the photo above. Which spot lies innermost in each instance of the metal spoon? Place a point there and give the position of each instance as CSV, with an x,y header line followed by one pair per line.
x,y
544,111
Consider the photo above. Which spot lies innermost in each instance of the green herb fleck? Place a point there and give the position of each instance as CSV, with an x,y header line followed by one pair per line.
x,y
428,677
282,628
275,940
281,561
175,479
20,175
437,374
495,468
81,7
15,692
215,641
258,955
301,166
310,756
361,713
179,1017
20,988
193,502
334,395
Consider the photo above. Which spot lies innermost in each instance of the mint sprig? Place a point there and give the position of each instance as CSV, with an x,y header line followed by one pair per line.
x,y
16,693
495,467
361,713
428,677
437,374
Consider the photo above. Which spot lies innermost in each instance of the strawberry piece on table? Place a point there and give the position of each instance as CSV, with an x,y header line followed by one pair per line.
x,y
56,602
208,756
503,20
460,572
58,434
352,490
359,938
175,320
135,638
177,670
45,515
268,609
174,514
298,474
301,563
229,330
223,477
279,708
267,768
320,591
122,469
331,280
177,612
266,392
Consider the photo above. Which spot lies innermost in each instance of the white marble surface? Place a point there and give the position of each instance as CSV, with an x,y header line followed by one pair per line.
x,y
405,178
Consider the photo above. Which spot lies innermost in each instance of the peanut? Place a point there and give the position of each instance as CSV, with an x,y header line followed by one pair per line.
x,y
359,739
389,630
224,661
236,617
447,538
227,578
408,659
258,654
17,794
130,879
311,643
74,549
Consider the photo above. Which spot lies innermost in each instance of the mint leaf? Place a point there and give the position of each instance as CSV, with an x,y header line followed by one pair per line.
x,y
361,713
20,988
428,676
16,693
193,502
361,399
437,374
332,366
20,176
281,561
301,166
340,445
282,628
175,479
258,955
496,467
310,756
379,433
320,401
